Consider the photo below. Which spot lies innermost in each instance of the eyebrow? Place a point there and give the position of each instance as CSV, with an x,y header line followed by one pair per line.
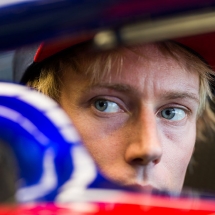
x,y
117,87
181,95
166,95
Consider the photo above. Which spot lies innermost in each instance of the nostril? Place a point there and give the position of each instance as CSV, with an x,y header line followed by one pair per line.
x,y
156,161
137,161
142,161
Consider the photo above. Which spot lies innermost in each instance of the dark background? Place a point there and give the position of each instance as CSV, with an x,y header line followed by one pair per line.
x,y
201,171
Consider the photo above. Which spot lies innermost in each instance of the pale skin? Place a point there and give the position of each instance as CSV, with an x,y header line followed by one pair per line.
x,y
139,126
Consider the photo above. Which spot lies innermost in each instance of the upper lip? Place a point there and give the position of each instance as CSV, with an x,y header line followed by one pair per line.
x,y
145,188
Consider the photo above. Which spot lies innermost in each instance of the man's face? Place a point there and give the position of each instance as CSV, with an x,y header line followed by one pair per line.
x,y
139,125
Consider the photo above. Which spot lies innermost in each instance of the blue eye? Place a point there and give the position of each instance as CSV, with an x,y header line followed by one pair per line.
x,y
106,106
174,114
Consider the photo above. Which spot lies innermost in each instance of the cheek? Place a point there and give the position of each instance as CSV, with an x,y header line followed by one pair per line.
x,y
101,137
177,145
178,149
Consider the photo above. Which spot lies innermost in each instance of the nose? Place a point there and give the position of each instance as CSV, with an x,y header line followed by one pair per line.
x,y
144,146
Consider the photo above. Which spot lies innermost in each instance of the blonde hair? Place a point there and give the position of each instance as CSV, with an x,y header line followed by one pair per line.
x,y
81,59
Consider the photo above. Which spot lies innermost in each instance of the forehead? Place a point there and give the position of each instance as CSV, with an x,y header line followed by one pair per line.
x,y
155,54
145,70
150,62
99,65
141,68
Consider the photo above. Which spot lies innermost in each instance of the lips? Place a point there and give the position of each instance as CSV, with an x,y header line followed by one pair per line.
x,y
145,188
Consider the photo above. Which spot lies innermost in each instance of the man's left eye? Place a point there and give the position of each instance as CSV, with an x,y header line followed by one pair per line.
x,y
106,106
174,114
